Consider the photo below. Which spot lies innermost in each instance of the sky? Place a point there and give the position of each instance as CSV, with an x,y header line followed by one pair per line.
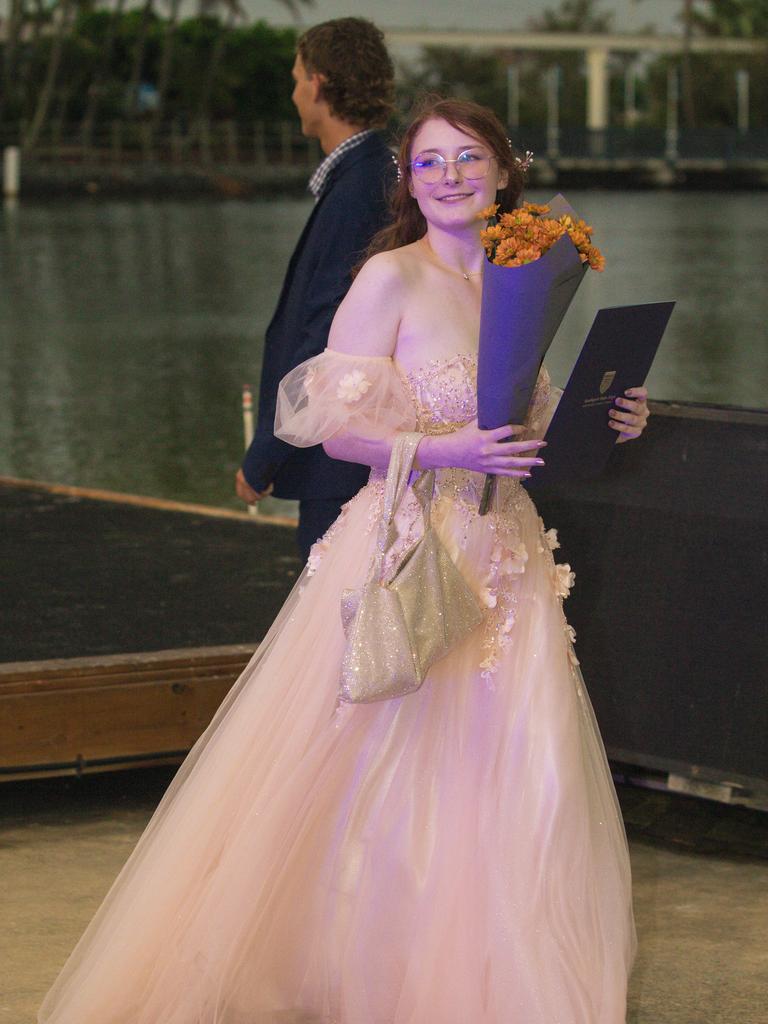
x,y
630,15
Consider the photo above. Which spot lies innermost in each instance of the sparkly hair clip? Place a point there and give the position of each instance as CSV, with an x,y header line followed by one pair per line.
x,y
524,162
396,162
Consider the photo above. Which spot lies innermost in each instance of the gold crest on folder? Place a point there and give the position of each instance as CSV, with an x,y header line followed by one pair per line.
x,y
607,380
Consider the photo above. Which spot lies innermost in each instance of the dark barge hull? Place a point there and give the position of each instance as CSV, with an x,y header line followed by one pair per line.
x,y
670,549
125,620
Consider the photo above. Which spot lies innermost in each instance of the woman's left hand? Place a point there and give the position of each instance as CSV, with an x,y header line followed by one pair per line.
x,y
631,416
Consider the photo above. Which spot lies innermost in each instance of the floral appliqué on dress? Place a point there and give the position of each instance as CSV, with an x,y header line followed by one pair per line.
x,y
499,595
352,386
563,578
321,547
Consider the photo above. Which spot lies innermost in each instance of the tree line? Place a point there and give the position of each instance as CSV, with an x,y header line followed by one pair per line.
x,y
89,66
85,63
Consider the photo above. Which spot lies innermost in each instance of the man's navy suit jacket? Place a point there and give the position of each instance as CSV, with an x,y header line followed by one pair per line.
x,y
351,209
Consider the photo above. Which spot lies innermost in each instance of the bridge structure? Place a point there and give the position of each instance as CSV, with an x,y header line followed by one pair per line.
x,y
659,156
597,48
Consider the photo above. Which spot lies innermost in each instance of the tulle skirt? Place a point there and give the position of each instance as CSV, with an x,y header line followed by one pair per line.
x,y
456,856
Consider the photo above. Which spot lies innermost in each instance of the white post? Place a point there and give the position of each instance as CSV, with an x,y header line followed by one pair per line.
x,y
742,101
597,89
248,430
630,97
11,171
513,96
673,96
553,112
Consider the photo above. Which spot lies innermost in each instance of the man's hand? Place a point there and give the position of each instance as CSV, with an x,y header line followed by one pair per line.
x,y
246,492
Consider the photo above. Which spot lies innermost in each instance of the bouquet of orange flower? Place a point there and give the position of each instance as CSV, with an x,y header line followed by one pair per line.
x,y
525,234
537,258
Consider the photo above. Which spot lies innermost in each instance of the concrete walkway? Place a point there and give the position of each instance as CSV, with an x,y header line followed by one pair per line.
x,y
700,871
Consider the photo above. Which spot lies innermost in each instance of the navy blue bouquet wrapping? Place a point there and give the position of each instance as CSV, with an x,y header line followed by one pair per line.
x,y
521,310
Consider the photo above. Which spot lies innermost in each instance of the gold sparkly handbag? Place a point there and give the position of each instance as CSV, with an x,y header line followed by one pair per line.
x,y
397,628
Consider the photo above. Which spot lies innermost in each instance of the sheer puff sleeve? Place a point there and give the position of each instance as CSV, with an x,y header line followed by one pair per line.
x,y
364,395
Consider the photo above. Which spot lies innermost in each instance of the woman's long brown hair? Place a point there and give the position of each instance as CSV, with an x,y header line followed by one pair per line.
x,y
407,223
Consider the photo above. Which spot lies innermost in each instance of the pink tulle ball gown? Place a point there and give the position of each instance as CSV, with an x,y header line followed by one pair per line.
x,y
456,856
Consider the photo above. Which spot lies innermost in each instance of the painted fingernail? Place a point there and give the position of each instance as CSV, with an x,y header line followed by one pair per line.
x,y
539,462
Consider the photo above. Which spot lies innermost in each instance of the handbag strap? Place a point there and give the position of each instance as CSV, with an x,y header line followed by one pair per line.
x,y
398,474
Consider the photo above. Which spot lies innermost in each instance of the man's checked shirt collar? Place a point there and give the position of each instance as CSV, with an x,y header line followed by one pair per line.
x,y
320,177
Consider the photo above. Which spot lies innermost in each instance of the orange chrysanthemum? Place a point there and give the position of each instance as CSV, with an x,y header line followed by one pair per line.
x,y
489,212
525,234
491,234
595,258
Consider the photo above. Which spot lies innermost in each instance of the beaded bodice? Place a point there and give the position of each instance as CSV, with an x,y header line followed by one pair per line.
x,y
443,397
444,392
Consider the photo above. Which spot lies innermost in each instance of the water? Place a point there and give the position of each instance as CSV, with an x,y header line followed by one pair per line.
x,y
128,328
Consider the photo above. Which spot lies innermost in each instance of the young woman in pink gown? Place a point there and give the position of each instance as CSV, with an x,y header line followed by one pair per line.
x,y
456,856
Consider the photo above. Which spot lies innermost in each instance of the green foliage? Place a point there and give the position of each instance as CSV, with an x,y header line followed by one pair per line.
x,y
714,82
746,19
462,73
482,76
257,73
251,81
574,16
713,76
242,71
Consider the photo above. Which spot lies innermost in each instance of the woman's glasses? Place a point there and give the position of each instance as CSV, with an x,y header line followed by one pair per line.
x,y
432,167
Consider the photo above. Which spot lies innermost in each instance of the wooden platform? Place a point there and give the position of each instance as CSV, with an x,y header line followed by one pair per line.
x,y
81,715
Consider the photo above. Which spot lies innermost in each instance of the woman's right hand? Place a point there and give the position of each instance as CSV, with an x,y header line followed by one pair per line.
x,y
484,451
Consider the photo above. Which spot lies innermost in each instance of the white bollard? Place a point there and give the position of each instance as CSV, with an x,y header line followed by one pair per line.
x,y
742,101
248,430
11,171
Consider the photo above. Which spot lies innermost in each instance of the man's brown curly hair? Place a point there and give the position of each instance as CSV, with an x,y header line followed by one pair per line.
x,y
358,74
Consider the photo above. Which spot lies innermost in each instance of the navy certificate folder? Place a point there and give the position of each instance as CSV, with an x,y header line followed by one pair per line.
x,y
618,353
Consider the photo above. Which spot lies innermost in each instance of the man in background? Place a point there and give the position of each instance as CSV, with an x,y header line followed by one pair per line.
x,y
344,92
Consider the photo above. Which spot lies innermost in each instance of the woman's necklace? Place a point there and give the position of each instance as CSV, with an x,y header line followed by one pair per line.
x,y
454,270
